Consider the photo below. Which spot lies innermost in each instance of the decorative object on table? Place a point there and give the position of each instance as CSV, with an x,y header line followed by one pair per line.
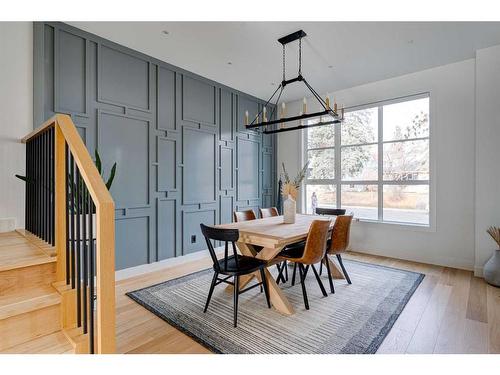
x,y
279,201
290,191
354,321
491,270
326,116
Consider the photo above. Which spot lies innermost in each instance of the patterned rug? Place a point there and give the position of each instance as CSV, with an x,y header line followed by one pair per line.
x,y
355,319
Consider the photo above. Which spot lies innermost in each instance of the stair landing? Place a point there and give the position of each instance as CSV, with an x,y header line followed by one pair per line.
x,y
21,249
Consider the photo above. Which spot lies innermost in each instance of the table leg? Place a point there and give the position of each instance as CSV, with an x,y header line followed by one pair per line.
x,y
276,296
336,273
248,250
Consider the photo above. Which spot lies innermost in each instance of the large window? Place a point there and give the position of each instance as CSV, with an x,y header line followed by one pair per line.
x,y
375,164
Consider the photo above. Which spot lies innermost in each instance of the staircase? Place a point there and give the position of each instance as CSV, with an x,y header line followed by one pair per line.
x,y
30,307
57,292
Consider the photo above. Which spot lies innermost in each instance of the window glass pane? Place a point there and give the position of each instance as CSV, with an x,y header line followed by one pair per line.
x,y
359,163
406,203
321,164
360,126
406,120
320,196
321,136
406,161
362,200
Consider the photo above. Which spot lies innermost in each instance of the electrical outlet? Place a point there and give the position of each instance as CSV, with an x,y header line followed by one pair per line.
x,y
193,238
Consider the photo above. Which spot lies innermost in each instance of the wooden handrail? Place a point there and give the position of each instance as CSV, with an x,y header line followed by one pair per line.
x,y
66,134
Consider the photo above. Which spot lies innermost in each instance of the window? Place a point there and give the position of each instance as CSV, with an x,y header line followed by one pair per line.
x,y
375,164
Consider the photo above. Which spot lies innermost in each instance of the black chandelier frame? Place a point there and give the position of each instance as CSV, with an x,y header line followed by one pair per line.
x,y
327,110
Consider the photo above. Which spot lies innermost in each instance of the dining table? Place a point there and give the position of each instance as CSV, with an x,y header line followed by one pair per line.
x,y
265,239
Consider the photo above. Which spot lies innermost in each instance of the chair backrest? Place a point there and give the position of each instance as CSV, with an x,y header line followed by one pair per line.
x,y
340,234
330,211
219,234
244,215
315,248
268,212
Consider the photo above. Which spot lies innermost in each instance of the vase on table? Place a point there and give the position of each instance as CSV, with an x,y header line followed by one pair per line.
x,y
289,210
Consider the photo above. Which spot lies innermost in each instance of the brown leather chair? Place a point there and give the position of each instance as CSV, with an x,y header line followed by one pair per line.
x,y
244,215
338,244
313,252
268,212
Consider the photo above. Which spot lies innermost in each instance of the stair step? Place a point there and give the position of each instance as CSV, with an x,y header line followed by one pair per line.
x,y
22,255
27,301
78,340
54,343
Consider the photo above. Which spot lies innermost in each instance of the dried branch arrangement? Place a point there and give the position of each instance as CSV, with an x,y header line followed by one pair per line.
x,y
292,187
494,232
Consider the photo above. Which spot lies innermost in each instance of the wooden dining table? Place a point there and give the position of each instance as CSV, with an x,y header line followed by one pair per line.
x,y
273,235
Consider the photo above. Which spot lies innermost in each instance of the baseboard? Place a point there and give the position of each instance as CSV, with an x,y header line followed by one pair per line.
x,y
478,271
7,224
448,262
156,266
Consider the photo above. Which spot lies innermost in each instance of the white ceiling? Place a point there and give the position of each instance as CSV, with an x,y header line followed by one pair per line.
x,y
358,52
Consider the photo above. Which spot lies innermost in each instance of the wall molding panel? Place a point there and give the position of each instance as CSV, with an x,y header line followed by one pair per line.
x,y
183,153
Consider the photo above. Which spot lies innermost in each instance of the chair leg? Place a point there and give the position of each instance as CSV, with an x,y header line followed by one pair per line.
x,y
339,258
321,267
294,272
212,286
303,283
266,287
286,270
319,281
330,278
236,295
280,273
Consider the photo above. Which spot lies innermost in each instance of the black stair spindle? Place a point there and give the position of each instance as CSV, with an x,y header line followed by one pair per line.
x,y
72,219
91,274
27,190
52,187
66,211
85,255
78,202
44,185
38,185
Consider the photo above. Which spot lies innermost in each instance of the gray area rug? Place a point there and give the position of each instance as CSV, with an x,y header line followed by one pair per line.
x,y
355,319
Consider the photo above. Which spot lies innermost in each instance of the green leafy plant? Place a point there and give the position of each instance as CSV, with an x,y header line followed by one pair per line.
x,y
98,165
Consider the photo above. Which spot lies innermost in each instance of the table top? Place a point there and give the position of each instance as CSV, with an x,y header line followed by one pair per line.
x,y
273,232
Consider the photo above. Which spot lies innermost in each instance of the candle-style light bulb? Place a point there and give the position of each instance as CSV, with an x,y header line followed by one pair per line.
x,y
327,102
264,114
246,117
334,105
304,105
283,108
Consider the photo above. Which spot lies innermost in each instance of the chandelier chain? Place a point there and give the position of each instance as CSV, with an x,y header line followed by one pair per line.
x,y
284,62
300,56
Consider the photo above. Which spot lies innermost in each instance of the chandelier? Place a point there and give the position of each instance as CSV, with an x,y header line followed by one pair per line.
x,y
327,116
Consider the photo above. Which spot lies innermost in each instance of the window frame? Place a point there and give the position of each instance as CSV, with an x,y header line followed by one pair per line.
x,y
380,182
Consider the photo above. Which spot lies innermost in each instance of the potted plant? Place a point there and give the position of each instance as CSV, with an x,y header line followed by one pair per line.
x,y
81,208
491,270
290,191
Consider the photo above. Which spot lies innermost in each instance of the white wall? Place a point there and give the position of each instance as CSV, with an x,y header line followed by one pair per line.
x,y
451,240
16,116
487,150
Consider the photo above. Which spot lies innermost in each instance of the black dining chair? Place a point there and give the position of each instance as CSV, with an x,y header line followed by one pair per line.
x,y
232,265
330,211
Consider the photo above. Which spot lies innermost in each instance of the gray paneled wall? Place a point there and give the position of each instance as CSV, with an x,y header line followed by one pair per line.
x,y
184,156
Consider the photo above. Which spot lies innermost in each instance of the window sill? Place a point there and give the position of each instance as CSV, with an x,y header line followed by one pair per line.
x,y
397,225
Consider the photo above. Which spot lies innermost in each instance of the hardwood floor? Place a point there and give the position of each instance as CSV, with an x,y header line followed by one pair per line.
x,y
451,312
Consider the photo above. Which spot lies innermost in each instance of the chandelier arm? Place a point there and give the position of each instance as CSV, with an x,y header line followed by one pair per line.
x,y
265,105
300,56
277,101
316,95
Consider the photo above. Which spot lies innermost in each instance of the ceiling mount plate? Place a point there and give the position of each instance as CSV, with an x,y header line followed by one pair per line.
x,y
292,37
